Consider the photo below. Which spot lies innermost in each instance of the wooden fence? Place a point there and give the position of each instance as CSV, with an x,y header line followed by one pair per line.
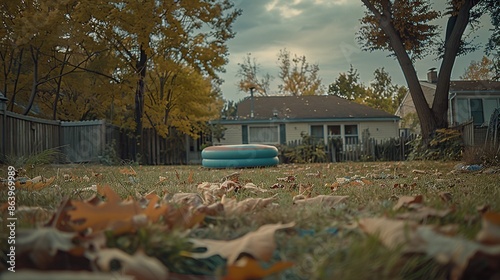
x,y
86,141
395,149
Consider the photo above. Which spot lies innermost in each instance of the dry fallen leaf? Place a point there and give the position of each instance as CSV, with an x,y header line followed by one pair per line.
x,y
392,233
231,206
139,265
323,200
490,230
406,200
259,244
247,268
34,184
128,171
458,252
113,214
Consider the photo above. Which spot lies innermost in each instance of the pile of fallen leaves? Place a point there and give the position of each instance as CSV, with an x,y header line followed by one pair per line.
x,y
76,236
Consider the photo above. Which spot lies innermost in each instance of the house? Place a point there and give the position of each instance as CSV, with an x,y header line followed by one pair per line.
x,y
468,100
279,119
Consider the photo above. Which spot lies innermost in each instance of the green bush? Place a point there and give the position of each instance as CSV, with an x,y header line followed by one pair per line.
x,y
307,151
445,144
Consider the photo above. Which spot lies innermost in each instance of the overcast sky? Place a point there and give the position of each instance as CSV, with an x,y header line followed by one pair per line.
x,y
322,30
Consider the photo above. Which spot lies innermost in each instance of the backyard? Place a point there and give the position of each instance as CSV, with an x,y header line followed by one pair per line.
x,y
376,220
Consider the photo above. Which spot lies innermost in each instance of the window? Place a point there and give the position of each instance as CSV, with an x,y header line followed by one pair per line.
x,y
263,134
351,134
476,111
462,112
317,133
334,131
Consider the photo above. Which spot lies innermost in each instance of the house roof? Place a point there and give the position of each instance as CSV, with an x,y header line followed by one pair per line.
x,y
307,107
474,86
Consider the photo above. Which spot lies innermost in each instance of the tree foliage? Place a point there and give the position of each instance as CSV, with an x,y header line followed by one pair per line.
x,y
381,94
479,70
297,76
136,63
405,29
348,86
248,73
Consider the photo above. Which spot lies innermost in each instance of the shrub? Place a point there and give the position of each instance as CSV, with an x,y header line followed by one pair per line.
x,y
486,155
445,144
306,151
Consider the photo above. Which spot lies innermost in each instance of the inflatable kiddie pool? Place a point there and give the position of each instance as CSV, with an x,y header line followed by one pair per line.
x,y
235,156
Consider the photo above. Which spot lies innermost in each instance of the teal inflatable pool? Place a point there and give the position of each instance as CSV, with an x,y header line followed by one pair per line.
x,y
235,156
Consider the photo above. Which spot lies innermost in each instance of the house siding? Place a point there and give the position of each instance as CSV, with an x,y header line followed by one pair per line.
x,y
293,131
232,135
380,130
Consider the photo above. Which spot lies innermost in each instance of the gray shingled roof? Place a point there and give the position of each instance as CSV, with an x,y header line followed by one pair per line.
x,y
474,85
307,107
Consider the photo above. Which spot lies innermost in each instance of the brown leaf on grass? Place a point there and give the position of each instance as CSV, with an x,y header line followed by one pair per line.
x,y
113,214
139,265
247,268
212,209
232,206
323,200
128,171
34,184
253,188
461,254
392,233
259,244
406,200
184,217
490,229
41,245
191,199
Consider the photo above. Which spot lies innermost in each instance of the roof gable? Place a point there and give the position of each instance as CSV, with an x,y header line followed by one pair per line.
x,y
306,107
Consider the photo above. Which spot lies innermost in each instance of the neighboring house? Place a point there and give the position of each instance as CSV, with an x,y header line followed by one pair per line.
x,y
468,100
279,119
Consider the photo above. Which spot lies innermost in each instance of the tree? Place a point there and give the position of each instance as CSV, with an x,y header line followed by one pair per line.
x,y
248,73
479,70
298,77
383,94
348,86
404,28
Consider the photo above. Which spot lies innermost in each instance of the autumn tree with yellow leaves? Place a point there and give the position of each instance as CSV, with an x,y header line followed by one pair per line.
x,y
136,63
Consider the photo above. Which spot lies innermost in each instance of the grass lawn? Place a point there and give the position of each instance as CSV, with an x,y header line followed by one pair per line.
x,y
328,240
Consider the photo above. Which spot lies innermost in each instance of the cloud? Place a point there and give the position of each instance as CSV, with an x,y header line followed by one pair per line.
x,y
322,30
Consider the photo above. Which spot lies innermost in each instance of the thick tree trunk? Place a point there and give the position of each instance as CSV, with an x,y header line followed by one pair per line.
x,y
427,121
452,46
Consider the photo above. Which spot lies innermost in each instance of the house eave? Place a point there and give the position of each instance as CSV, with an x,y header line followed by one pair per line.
x,y
305,120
